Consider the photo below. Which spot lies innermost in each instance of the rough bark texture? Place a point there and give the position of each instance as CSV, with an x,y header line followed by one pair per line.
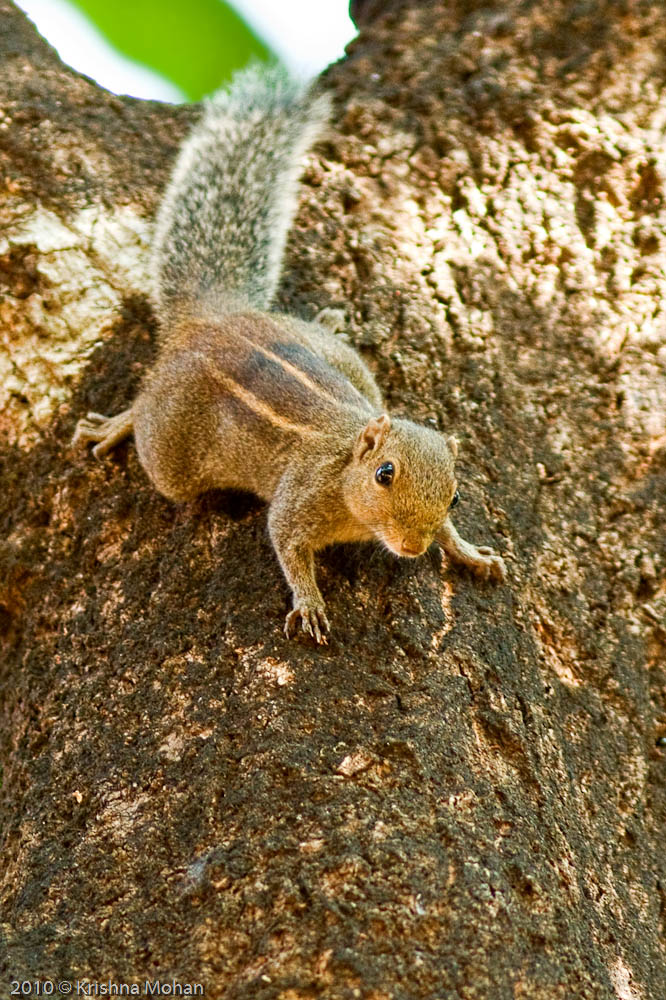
x,y
463,796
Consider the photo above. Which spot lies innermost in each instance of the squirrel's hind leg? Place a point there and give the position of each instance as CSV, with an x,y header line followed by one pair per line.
x,y
107,431
341,355
334,320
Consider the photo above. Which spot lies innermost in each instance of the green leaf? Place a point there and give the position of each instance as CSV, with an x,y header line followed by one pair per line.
x,y
196,44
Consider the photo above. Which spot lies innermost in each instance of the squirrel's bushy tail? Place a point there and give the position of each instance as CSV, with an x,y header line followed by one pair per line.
x,y
224,218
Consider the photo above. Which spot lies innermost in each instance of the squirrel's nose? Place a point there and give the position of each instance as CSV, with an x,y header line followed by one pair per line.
x,y
411,548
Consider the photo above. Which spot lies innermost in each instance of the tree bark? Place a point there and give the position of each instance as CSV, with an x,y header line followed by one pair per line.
x,y
463,795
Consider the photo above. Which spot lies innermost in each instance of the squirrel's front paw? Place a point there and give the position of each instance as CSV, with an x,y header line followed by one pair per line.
x,y
313,621
488,564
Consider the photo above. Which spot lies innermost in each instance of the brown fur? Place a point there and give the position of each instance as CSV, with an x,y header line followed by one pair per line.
x,y
241,397
273,405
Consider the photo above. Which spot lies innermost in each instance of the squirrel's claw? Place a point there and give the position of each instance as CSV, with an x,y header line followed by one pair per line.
x,y
108,431
489,564
313,621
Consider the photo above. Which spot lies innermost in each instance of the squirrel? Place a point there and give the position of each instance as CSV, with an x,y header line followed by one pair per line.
x,y
244,397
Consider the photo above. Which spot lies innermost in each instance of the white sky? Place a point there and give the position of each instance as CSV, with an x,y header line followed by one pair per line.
x,y
307,35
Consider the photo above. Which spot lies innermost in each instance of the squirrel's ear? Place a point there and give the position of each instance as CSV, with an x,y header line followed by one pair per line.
x,y
372,436
453,445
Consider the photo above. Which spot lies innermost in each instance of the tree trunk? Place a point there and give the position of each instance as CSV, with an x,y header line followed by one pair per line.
x,y
463,795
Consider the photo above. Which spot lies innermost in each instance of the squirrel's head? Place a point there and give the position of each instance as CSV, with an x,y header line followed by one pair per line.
x,y
400,483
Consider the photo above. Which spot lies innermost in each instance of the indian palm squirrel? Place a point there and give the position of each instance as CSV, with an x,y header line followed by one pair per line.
x,y
247,398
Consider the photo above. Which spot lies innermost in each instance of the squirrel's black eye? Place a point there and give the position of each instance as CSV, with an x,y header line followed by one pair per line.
x,y
384,474
455,500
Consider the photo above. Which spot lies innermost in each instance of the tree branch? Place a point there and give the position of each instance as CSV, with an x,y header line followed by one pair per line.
x,y
463,795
